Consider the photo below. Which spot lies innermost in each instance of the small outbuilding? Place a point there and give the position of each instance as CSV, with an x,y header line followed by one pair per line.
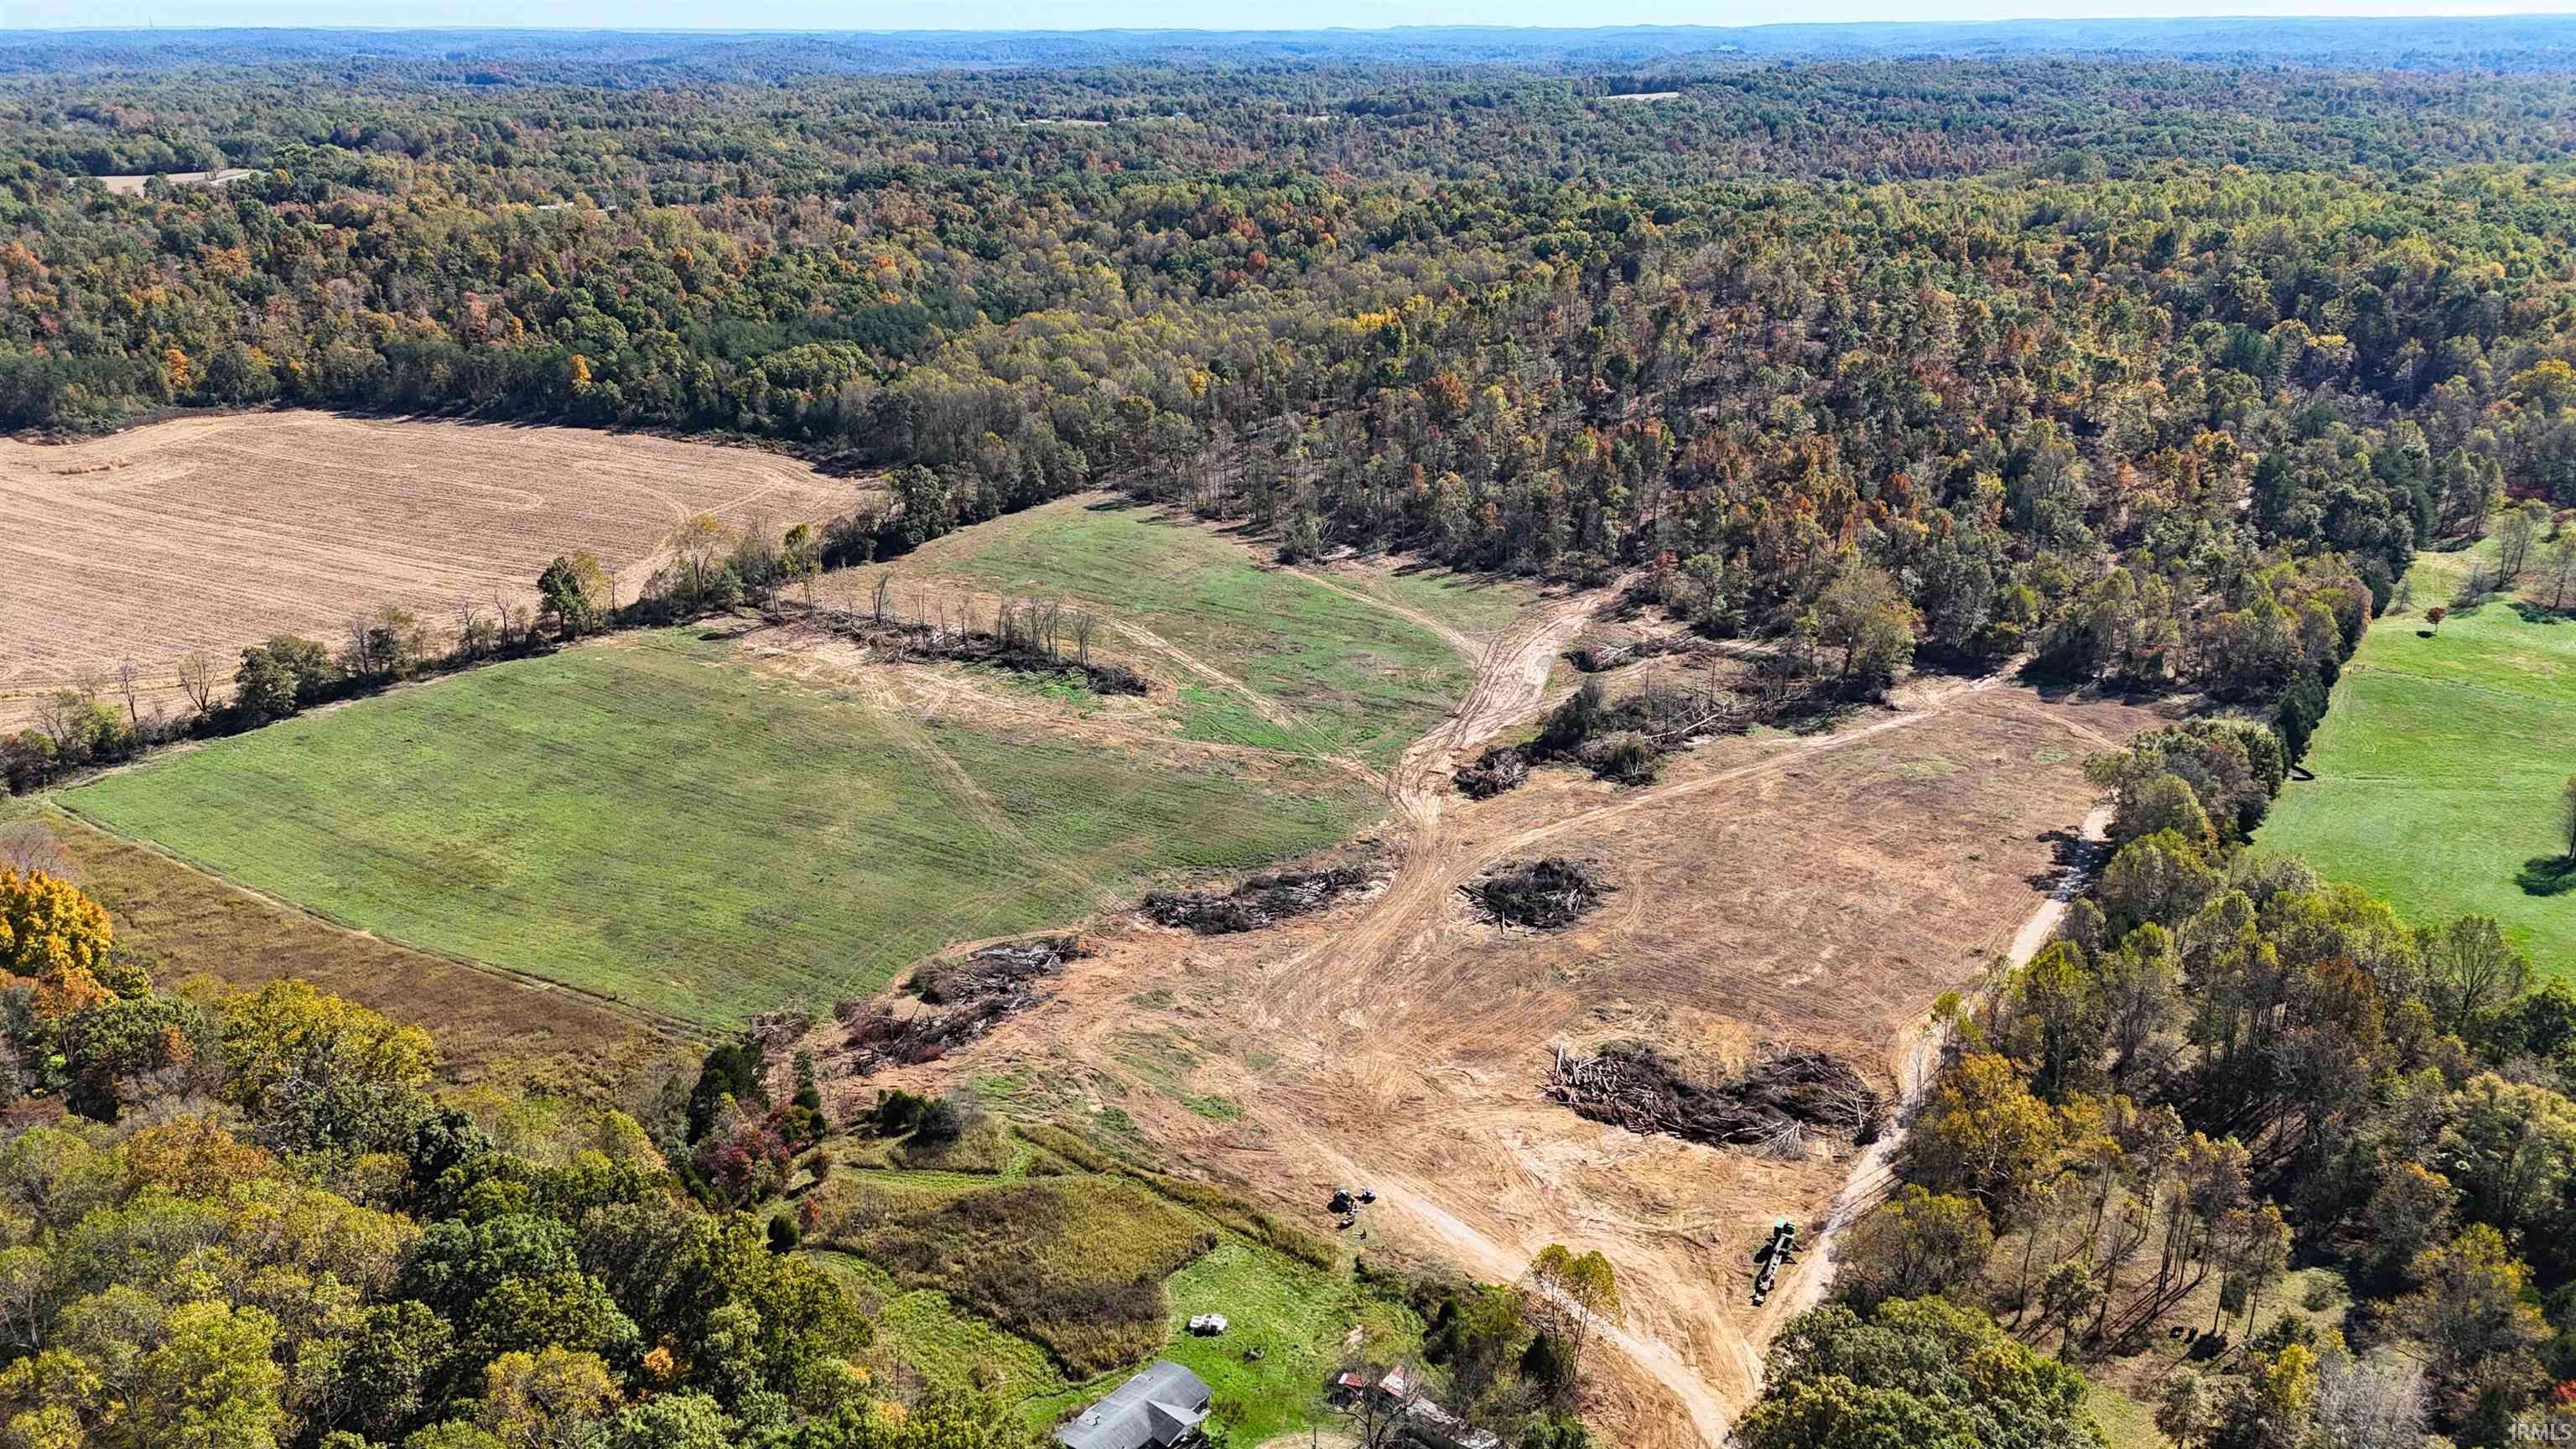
x,y
1160,1408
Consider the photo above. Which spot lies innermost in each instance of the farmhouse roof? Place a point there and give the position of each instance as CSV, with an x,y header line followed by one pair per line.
x,y
1161,1407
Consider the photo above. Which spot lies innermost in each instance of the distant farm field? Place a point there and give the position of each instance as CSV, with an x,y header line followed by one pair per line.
x,y
212,533
654,819
2439,765
1264,656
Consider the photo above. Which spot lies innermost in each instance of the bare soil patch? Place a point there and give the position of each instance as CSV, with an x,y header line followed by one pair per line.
x,y
212,533
1778,894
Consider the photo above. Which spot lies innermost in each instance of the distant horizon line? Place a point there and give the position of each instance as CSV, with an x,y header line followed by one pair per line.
x,y
1998,22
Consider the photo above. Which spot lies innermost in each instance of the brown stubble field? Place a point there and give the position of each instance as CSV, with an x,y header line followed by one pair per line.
x,y
216,532
1774,892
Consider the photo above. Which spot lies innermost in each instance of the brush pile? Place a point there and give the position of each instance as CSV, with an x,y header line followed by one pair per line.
x,y
1504,767
993,971
976,992
1770,1109
1595,656
1264,900
920,641
1027,638
1542,895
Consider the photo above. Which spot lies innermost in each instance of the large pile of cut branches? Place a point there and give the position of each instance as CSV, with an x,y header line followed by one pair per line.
x,y
1626,739
977,992
1771,1108
1540,894
1264,900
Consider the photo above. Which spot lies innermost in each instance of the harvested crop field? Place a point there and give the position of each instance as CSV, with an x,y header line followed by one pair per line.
x,y
212,533
663,819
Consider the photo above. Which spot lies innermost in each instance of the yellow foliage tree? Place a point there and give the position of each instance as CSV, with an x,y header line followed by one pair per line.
x,y
555,1396
53,936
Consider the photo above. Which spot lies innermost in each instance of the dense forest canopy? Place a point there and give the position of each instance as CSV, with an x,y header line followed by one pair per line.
x,y
2127,363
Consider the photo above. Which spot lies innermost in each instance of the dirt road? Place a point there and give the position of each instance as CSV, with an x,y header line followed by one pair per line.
x,y
1918,1052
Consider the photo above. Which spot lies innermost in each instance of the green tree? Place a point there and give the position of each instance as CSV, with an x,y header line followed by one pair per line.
x,y
212,1383
1920,1372
1866,617
1913,1245
574,591
1570,1297
1983,1135
2469,1312
317,1073
551,1399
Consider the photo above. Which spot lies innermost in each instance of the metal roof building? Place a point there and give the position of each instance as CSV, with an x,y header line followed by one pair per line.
x,y
1157,1409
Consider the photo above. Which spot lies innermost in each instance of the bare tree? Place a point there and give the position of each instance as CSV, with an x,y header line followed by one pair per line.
x,y
467,615
128,683
362,653
197,679
2373,1403
1082,625
1374,1414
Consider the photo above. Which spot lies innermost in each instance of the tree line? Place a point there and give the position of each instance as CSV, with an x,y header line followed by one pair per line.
x,y
2225,1066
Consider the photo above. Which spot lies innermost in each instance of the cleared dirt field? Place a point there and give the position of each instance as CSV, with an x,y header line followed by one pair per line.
x,y
212,533
1773,891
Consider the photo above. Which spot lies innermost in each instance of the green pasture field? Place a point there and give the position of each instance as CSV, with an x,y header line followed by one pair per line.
x,y
650,819
1354,679
2439,765
1293,1314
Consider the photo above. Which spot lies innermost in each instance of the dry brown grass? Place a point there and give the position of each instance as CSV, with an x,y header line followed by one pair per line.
x,y
489,1028
212,533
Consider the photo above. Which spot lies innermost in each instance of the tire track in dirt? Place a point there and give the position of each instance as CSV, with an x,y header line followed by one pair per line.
x,y
961,787
1366,959
1512,670
1873,1173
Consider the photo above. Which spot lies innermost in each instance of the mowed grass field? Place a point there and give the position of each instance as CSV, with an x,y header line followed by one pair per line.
x,y
2439,766
1339,675
653,820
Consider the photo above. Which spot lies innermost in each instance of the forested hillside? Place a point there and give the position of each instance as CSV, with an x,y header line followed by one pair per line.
x,y
2123,364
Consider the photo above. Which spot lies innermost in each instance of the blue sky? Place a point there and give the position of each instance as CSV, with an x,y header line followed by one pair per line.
x,y
1175,14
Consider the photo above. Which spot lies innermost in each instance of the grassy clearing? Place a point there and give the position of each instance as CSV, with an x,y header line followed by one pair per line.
x,y
946,1264
925,1333
2439,765
1072,1264
646,819
1471,603
1356,679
